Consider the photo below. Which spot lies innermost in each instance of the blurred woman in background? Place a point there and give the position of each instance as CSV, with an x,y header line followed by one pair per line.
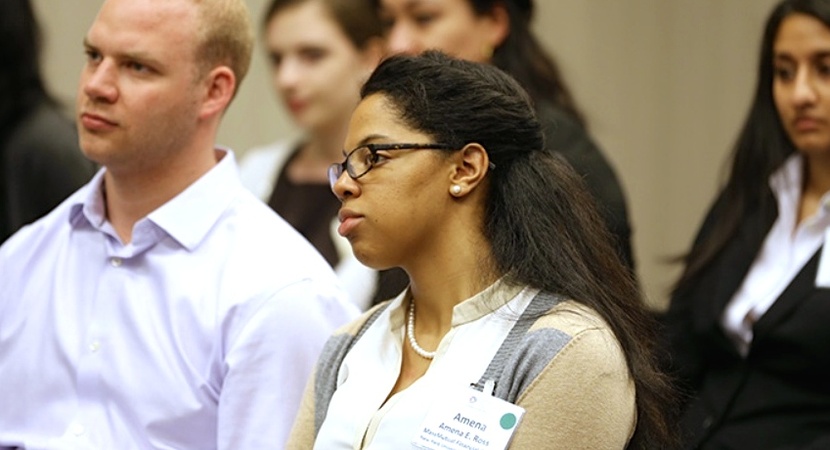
x,y
748,320
40,161
320,52
498,32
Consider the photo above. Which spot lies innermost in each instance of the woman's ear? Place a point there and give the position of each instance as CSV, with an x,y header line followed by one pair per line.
x,y
471,165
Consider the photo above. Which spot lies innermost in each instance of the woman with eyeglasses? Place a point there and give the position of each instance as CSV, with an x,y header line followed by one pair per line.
x,y
520,323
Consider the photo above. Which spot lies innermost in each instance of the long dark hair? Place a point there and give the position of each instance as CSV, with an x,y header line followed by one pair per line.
x,y
540,220
761,148
522,56
21,84
357,18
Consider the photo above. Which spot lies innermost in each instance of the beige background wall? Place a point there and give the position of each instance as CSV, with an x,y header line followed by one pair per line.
x,y
665,85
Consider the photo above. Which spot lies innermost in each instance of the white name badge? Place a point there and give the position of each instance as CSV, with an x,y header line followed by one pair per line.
x,y
469,420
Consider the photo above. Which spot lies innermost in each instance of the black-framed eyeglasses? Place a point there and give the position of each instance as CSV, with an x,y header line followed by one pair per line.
x,y
360,161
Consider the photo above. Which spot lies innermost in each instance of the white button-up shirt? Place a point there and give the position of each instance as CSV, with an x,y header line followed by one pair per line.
x,y
199,334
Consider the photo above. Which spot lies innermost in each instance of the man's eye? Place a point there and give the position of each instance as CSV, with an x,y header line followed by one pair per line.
x,y
136,66
92,56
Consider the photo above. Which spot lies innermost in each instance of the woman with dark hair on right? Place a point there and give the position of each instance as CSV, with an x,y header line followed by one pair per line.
x,y
749,320
520,323
499,32
40,161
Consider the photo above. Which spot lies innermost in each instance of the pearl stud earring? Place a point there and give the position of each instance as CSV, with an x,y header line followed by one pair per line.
x,y
455,189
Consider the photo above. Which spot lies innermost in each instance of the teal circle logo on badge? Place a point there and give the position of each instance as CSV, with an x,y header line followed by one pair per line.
x,y
508,421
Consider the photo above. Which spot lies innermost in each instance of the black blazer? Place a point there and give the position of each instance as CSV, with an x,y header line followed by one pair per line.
x,y
40,165
778,397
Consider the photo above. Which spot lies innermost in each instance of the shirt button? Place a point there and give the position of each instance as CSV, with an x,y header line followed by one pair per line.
x,y
707,422
94,346
116,262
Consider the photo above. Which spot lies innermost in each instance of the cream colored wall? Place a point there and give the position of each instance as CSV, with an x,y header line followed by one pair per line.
x,y
664,83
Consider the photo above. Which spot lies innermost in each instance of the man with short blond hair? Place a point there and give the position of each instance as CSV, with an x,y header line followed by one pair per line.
x,y
161,305
226,36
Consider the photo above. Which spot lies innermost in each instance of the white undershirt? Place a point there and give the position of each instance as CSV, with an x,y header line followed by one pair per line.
x,y
787,248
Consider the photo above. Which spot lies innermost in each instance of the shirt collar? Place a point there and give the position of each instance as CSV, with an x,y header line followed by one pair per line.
x,y
87,206
787,185
187,217
786,180
485,302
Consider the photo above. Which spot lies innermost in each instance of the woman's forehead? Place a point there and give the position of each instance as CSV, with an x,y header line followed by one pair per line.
x,y
376,117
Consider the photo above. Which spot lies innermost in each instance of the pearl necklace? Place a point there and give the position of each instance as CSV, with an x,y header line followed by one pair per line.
x,y
410,332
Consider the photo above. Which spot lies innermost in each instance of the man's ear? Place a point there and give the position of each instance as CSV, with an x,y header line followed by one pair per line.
x,y
471,166
220,86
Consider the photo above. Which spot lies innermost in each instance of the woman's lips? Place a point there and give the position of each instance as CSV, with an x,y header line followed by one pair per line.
x,y
296,106
348,222
807,123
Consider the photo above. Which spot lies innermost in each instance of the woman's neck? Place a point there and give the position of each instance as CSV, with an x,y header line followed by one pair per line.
x,y
447,278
